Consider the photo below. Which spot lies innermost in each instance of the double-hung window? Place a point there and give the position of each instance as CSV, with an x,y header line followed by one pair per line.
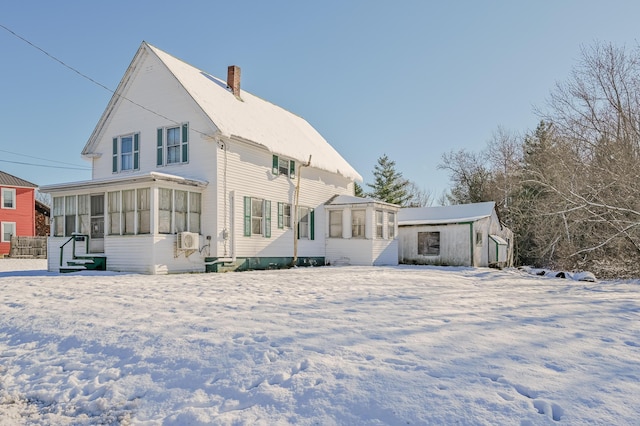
x,y
283,166
8,198
126,153
357,223
391,224
172,145
8,229
305,223
379,224
257,217
284,215
335,223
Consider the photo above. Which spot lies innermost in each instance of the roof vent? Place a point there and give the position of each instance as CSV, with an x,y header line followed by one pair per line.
x,y
233,80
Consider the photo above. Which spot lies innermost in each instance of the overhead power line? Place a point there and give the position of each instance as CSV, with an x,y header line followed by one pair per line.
x,y
91,79
46,165
39,158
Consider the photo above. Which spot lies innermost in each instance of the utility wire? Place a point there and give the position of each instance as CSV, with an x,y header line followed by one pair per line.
x,y
46,165
92,80
39,158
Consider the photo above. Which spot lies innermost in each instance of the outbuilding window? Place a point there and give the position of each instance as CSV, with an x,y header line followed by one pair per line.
x,y
429,243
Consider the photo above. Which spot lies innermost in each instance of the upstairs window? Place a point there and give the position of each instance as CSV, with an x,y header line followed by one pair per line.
x,y
283,166
126,153
8,198
172,145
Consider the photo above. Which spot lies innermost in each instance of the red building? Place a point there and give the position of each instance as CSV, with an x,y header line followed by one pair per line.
x,y
17,210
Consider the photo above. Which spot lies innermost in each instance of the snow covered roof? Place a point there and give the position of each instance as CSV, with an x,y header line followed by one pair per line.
x,y
445,214
124,179
350,199
499,240
10,180
252,119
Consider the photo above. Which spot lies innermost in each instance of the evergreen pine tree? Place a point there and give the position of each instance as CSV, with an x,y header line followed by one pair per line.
x,y
357,190
389,185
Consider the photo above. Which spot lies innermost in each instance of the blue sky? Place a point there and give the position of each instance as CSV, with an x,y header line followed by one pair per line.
x,y
410,79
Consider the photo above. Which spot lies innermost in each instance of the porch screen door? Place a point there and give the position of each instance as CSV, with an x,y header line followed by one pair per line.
x,y
97,224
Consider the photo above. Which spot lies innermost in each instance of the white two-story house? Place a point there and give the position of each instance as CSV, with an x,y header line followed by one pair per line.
x,y
191,174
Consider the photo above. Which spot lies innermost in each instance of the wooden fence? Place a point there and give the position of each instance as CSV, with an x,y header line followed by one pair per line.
x,y
28,247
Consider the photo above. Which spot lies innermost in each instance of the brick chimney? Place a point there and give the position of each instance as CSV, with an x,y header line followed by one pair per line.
x,y
233,80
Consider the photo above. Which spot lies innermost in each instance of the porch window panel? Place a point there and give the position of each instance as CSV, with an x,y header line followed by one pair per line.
x,y
84,211
379,224
128,211
195,209
144,210
358,218
391,223
181,210
69,215
113,201
165,206
58,216
335,223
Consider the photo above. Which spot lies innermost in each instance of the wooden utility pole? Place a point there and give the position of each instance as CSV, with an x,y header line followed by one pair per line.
x,y
295,215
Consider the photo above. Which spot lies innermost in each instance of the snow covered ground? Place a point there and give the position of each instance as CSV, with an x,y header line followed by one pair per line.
x,y
317,346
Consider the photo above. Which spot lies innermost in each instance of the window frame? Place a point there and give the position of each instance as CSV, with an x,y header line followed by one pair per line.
x,y
337,226
181,146
14,203
3,231
362,228
391,225
118,154
283,166
264,220
429,249
379,214
284,215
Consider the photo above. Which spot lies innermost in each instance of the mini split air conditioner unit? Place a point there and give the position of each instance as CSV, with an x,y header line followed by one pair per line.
x,y
188,241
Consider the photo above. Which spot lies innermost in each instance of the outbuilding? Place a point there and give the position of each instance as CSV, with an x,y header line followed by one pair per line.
x,y
458,235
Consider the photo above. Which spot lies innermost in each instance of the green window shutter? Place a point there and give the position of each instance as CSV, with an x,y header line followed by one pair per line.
x,y
114,164
292,169
267,218
311,225
159,159
185,142
136,151
247,216
274,165
280,216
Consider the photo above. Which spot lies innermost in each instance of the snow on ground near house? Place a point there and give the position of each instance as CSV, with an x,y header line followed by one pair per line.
x,y
330,345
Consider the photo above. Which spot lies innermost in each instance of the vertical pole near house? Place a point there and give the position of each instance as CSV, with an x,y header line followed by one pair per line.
x,y
296,219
